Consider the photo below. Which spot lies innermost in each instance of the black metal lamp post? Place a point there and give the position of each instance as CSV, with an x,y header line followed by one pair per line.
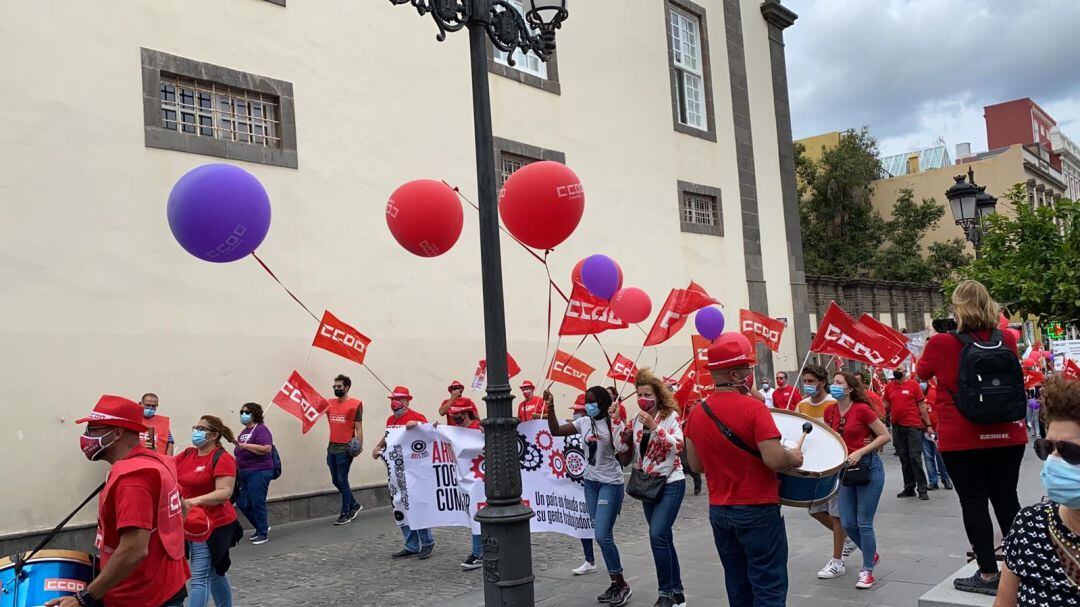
x,y
504,521
970,204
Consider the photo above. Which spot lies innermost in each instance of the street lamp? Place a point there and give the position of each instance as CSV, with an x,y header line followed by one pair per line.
x,y
504,521
970,204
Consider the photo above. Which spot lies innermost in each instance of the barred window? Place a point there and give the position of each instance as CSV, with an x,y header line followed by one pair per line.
x,y
206,109
510,163
700,210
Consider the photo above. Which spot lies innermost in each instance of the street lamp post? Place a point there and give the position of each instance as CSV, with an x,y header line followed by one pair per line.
x,y
504,521
970,204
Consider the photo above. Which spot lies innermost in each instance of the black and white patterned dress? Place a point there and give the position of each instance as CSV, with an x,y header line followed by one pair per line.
x,y
1031,554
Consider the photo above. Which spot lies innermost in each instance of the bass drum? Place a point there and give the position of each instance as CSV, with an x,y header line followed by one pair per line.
x,y
824,453
51,574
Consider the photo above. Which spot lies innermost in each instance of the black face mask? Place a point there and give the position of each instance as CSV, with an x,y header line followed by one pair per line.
x,y
338,392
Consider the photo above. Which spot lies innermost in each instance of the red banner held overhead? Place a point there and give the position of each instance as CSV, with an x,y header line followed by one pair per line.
x,y
300,400
1070,370
622,368
761,328
512,367
341,339
1032,378
886,331
587,314
702,377
568,370
841,335
680,304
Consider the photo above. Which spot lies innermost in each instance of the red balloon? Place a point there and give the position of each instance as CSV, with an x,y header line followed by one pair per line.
x,y
575,274
425,217
1003,323
631,304
541,204
1030,362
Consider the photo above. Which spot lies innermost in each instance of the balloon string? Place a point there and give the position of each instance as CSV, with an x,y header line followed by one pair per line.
x,y
307,358
682,366
634,365
317,319
551,382
547,344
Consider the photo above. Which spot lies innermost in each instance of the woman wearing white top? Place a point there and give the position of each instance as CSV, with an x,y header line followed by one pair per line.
x,y
655,437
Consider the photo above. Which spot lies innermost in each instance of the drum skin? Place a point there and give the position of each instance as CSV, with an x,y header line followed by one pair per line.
x,y
51,574
824,454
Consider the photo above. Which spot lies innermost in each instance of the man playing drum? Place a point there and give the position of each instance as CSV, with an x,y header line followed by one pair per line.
x,y
140,532
734,441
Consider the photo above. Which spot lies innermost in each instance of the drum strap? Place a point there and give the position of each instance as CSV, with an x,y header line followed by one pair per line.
x,y
729,434
22,559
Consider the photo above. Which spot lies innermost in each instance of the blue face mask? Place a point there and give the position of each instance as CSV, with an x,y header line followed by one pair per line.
x,y
245,418
198,437
1062,481
923,386
592,410
147,412
837,392
809,390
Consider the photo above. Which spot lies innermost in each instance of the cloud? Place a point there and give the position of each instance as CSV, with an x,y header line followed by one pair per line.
x,y
914,70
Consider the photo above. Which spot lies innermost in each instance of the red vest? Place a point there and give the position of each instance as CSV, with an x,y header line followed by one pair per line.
x,y
170,516
342,416
160,424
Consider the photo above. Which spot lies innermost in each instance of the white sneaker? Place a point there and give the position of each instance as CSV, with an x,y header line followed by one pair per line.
x,y
849,549
833,568
585,569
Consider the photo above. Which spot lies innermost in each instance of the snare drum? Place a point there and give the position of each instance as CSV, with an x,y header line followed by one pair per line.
x,y
51,574
824,453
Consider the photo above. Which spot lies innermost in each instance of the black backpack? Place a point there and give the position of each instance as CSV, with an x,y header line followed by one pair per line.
x,y
990,383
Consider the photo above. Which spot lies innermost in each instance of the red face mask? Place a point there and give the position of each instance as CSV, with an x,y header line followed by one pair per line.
x,y
93,447
647,403
397,405
780,382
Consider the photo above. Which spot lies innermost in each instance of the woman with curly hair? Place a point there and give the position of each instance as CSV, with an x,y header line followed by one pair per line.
x,y
1042,550
655,437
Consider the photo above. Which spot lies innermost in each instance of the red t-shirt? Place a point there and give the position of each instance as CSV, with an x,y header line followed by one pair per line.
x,y
473,425
931,410
856,423
409,416
196,473
782,398
533,408
903,398
941,359
876,403
462,401
158,578
735,477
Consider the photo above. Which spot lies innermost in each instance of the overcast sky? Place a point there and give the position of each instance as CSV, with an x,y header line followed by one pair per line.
x,y
917,70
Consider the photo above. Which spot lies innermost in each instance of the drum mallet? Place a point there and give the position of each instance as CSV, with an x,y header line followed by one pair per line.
x,y
807,427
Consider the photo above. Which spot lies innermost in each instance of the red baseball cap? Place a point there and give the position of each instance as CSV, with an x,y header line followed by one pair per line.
x,y
731,350
456,384
197,527
579,404
527,384
400,392
461,405
116,411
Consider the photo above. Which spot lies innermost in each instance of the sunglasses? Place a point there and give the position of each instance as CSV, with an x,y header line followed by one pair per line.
x,y
1069,451
203,428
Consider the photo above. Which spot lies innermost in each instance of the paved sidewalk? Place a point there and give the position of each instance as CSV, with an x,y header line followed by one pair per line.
x,y
316,563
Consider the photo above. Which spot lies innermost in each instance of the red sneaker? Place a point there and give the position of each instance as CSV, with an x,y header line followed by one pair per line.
x,y
866,580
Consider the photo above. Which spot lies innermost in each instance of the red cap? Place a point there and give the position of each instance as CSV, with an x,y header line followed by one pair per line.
x,y
197,527
579,404
461,405
527,384
116,411
400,392
731,350
456,384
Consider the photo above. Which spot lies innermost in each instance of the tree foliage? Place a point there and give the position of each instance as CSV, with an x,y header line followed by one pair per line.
x,y
1030,258
900,256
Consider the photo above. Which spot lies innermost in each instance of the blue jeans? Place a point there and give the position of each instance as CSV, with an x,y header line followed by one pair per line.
x,y
254,485
205,582
753,548
604,502
339,464
587,548
477,545
661,517
935,465
857,508
415,539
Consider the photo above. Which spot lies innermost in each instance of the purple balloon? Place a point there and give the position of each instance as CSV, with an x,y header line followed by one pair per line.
x,y
219,212
601,276
709,322
1033,404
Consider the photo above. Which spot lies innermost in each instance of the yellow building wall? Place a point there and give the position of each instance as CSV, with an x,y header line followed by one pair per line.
x,y
816,145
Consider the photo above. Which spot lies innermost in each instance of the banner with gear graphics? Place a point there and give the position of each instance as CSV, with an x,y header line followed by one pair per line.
x,y
436,477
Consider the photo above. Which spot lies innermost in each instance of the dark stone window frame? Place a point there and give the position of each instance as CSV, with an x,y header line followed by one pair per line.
x,y
550,84
516,148
686,187
697,11
277,2
156,62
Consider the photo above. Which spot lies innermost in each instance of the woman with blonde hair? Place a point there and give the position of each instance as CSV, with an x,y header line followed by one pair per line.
x,y
982,459
655,437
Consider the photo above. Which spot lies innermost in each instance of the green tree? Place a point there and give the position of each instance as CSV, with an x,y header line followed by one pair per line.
x,y
900,256
1030,259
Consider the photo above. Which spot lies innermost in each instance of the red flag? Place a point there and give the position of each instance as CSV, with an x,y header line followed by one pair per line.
x,y
300,400
843,336
1070,370
886,331
677,309
587,314
759,327
512,367
341,339
568,370
692,386
702,377
622,368
1032,378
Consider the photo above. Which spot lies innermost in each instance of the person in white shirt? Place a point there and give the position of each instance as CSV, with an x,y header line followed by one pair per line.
x,y
767,391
